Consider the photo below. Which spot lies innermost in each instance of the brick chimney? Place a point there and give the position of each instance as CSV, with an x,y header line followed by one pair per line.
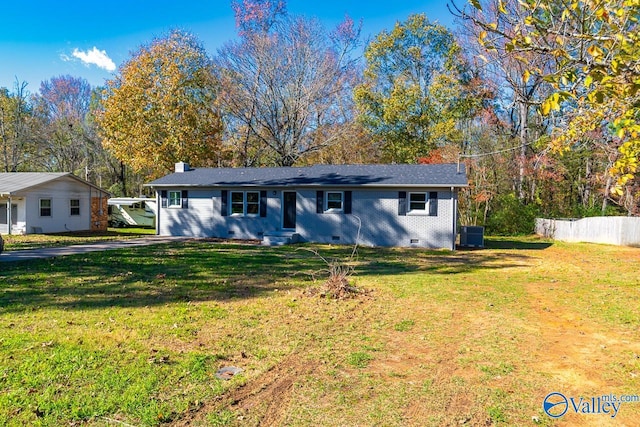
x,y
182,167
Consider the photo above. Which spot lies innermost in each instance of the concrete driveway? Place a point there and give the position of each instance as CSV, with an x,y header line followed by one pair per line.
x,y
81,249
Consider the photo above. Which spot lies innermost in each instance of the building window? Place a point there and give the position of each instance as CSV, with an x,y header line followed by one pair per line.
x,y
334,201
237,203
45,207
74,207
253,203
175,199
424,203
245,203
417,202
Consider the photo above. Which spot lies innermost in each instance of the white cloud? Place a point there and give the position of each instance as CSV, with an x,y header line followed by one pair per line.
x,y
95,57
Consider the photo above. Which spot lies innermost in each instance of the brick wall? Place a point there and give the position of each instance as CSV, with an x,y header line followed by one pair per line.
x,y
99,214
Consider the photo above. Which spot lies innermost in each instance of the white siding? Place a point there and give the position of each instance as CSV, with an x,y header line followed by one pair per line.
x,y
203,217
194,221
60,192
380,223
377,209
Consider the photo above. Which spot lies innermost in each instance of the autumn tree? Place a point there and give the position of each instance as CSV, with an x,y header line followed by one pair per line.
x,y
518,92
594,47
285,84
162,107
64,137
414,91
16,122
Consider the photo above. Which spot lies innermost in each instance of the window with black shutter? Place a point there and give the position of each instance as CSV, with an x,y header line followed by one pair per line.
x,y
402,203
347,202
319,201
433,203
224,211
163,197
263,204
185,199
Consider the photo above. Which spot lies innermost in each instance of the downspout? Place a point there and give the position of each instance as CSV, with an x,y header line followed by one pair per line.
x,y
157,213
454,200
90,208
9,219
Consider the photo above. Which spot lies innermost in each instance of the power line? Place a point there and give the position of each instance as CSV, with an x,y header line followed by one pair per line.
x,y
470,156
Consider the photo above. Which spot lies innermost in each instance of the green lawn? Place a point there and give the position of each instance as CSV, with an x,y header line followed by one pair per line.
x,y
134,337
34,241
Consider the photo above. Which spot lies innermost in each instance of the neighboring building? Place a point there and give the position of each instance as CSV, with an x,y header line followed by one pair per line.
x,y
42,202
379,205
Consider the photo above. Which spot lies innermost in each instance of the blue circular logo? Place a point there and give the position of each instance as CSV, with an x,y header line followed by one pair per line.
x,y
555,404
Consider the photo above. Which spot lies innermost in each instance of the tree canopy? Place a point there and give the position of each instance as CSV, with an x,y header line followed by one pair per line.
x,y
594,49
414,88
285,83
162,107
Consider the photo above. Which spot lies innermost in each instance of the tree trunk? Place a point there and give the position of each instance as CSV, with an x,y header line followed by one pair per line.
x,y
523,110
607,189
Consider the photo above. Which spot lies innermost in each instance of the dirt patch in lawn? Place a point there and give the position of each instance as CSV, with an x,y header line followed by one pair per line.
x,y
579,355
263,400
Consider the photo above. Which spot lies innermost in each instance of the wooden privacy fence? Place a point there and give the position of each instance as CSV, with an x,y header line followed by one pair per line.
x,y
614,230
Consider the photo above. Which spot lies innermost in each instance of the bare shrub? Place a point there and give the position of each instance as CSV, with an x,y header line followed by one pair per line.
x,y
340,273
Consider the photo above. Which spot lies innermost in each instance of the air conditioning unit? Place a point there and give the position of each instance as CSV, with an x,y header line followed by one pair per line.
x,y
471,236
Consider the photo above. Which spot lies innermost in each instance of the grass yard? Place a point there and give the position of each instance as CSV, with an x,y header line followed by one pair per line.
x,y
17,242
473,338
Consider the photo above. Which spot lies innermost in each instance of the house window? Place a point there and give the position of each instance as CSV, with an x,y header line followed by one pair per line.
x,y
175,199
253,203
45,207
237,203
245,203
74,207
424,203
334,201
417,202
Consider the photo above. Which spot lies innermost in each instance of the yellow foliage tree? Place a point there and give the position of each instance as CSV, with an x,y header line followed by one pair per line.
x,y
595,48
162,108
416,89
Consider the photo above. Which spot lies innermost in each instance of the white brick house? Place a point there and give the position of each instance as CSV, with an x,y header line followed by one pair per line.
x,y
389,205
47,202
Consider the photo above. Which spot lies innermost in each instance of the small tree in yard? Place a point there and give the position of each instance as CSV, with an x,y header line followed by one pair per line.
x,y
338,284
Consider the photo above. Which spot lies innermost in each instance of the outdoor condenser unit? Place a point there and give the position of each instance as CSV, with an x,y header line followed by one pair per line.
x,y
472,236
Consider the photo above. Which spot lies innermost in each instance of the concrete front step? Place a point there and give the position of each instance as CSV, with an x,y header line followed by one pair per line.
x,y
279,238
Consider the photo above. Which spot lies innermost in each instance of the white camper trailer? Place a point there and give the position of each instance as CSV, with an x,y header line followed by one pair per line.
x,y
132,212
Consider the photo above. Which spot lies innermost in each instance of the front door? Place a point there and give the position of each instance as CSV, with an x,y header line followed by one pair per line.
x,y
289,210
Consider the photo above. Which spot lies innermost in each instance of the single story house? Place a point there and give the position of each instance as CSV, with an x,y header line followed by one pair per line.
x,y
375,205
43,202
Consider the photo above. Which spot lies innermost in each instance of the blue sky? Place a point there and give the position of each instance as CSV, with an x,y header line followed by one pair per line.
x,y
40,39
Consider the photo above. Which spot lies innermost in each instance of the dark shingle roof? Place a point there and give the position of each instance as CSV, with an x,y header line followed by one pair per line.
x,y
437,175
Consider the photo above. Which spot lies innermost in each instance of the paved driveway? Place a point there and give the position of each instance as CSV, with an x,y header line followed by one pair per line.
x,y
81,249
